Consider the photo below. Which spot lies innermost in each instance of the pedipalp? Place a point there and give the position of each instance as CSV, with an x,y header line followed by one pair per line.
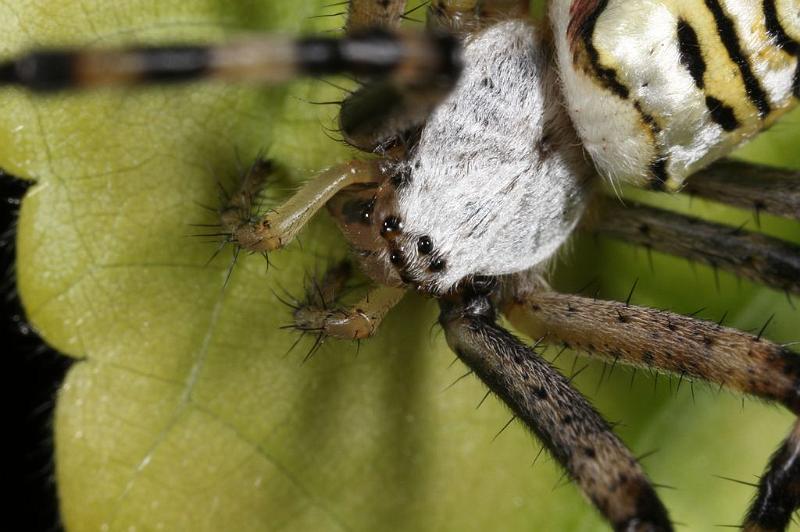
x,y
279,227
355,322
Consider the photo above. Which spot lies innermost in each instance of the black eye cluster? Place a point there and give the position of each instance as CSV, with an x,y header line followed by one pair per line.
x,y
391,228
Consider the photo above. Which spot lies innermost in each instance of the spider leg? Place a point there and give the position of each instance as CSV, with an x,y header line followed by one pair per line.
x,y
371,14
379,115
664,340
689,347
406,59
467,16
574,433
383,113
320,313
279,227
357,322
751,255
749,186
778,490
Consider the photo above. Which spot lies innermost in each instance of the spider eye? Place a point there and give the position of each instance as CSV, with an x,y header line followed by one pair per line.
x,y
437,265
391,225
424,245
396,258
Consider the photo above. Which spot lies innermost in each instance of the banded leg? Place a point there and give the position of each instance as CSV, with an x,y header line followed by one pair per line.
x,y
319,313
749,186
751,255
573,432
467,16
688,347
405,59
279,227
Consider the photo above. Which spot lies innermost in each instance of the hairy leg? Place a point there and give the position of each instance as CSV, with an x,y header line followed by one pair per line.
x,y
380,115
751,255
689,347
749,186
664,340
778,490
385,111
558,415
370,14
466,16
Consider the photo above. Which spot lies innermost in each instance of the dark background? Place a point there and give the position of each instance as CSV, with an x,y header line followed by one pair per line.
x,y
32,373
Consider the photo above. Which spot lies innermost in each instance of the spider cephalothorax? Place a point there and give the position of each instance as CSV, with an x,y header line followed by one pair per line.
x,y
496,145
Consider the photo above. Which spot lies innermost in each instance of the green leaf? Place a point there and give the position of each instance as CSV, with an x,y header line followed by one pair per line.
x,y
188,411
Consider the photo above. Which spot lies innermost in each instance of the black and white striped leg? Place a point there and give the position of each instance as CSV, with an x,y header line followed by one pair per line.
x,y
386,112
570,428
405,59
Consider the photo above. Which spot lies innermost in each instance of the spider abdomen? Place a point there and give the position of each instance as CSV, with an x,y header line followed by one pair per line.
x,y
659,89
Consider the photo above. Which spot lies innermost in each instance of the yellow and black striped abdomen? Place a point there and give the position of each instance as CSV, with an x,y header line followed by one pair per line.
x,y
657,89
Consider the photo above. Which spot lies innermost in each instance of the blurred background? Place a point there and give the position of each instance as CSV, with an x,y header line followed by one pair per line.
x,y
32,372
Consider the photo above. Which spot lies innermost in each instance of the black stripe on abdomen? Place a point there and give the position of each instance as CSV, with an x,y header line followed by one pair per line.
x,y
607,76
730,39
658,174
721,113
692,59
608,79
690,52
658,167
782,39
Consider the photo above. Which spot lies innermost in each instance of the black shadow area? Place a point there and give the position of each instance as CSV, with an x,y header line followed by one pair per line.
x,y
31,374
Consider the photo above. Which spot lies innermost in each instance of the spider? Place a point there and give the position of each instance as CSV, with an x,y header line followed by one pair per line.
x,y
482,175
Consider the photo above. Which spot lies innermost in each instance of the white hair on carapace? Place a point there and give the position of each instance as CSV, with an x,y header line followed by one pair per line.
x,y
498,180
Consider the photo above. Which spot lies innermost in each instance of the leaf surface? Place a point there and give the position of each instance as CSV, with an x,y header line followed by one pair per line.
x,y
187,409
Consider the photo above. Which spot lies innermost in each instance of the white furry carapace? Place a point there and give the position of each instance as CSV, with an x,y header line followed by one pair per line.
x,y
651,90
498,148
